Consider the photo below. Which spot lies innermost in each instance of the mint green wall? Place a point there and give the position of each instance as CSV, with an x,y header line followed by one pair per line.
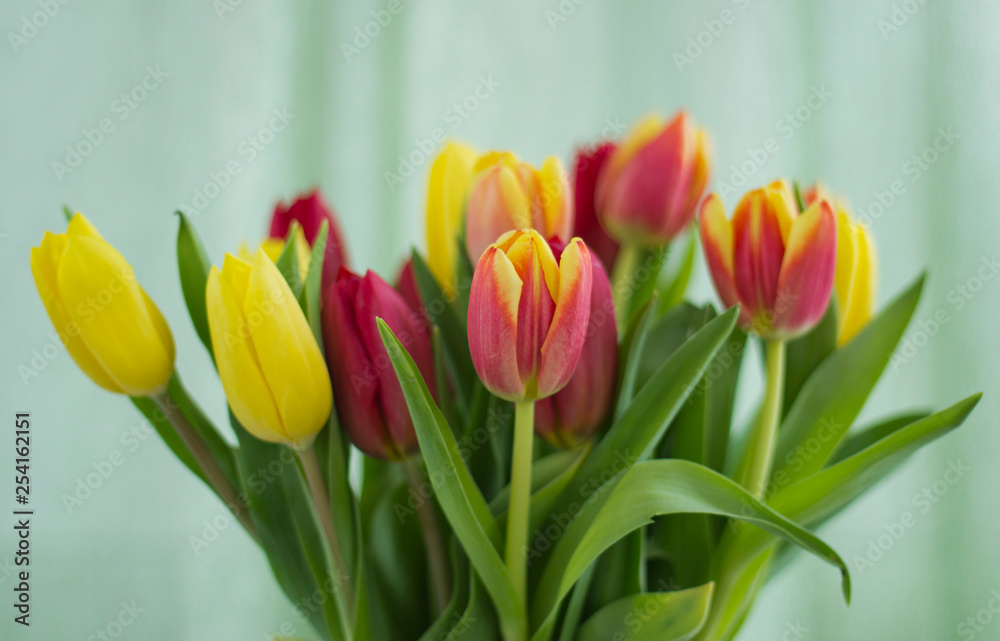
x,y
546,86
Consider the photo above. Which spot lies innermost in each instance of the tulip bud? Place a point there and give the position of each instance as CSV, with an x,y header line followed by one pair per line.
x,y
268,359
586,225
574,413
310,211
528,315
107,323
650,188
776,263
447,192
274,246
856,275
508,194
370,400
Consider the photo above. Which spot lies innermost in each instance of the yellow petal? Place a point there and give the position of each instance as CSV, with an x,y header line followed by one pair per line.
x,y
80,226
98,289
44,267
856,277
555,199
515,198
447,192
272,247
246,388
782,200
288,354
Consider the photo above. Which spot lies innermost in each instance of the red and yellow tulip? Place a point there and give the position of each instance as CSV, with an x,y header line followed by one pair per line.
x,y
651,186
528,315
509,194
778,264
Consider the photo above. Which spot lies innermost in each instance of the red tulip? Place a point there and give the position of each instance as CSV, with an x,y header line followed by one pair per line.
x,y
776,263
573,414
369,399
310,211
650,188
587,171
528,315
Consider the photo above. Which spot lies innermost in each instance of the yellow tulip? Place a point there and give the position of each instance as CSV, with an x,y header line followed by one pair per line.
x,y
447,192
270,364
110,327
856,276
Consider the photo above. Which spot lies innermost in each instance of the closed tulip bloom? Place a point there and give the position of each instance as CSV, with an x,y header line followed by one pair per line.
x,y
586,225
776,263
509,194
268,359
370,400
573,414
447,193
857,270
528,315
107,323
310,211
651,186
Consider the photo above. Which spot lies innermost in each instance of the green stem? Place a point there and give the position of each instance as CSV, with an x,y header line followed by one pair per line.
x,y
761,447
520,497
317,487
216,478
437,557
623,285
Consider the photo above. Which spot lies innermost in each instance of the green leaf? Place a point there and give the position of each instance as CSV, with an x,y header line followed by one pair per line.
x,y
312,288
221,452
67,213
574,610
645,276
834,395
630,501
673,294
631,353
870,435
193,264
657,616
457,494
288,260
166,430
803,355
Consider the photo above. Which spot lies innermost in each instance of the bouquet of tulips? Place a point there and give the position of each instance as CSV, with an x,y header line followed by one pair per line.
x,y
531,434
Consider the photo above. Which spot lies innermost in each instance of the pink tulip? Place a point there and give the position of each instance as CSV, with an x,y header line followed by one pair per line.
x,y
777,263
587,171
528,315
369,399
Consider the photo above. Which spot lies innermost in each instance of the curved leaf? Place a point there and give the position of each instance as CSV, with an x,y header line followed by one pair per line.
x,y
656,616
193,265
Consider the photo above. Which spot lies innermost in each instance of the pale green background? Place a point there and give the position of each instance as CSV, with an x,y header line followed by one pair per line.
x,y
606,63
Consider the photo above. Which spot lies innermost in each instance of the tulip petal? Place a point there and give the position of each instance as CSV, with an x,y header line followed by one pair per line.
x,y
447,191
44,266
758,250
535,307
807,272
79,225
717,244
563,345
100,294
555,199
287,351
701,163
854,282
498,203
246,388
493,316
588,168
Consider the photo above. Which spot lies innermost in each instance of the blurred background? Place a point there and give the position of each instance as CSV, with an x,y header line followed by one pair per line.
x,y
222,107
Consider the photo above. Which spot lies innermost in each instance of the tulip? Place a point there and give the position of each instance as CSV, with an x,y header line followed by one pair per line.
x,y
586,225
776,263
508,194
310,211
369,397
268,359
108,324
856,273
447,192
528,315
573,414
274,246
650,187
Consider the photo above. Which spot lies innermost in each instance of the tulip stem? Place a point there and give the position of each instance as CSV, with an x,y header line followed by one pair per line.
x,y
761,447
214,475
622,281
314,477
520,498
437,557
